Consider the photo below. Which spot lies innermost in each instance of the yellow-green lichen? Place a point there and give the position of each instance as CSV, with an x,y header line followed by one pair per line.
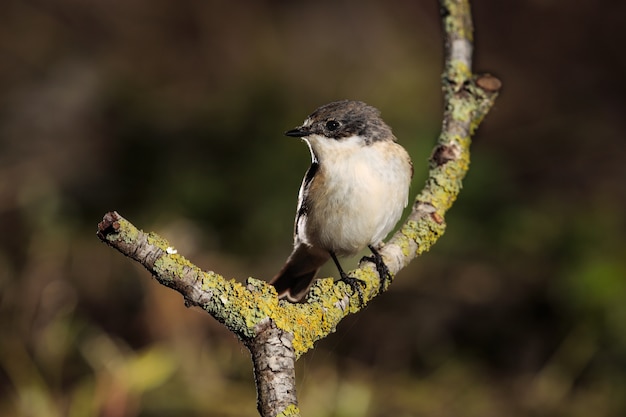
x,y
458,20
231,304
313,320
292,410
410,231
209,280
125,230
429,232
462,110
404,244
156,240
459,71
303,321
170,267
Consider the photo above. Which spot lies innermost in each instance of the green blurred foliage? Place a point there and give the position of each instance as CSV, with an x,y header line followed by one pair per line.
x,y
172,113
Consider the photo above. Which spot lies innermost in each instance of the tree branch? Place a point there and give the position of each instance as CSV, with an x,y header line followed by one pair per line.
x,y
278,332
274,361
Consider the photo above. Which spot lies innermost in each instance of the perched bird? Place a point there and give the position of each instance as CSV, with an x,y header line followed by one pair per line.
x,y
351,197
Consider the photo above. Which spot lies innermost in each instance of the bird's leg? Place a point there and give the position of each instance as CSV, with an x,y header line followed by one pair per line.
x,y
381,268
353,283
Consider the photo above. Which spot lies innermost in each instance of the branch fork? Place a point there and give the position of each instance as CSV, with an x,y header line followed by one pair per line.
x,y
277,332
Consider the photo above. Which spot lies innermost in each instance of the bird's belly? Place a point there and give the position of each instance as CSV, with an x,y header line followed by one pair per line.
x,y
360,207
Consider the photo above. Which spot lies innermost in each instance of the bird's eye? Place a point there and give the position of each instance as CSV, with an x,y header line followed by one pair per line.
x,y
332,125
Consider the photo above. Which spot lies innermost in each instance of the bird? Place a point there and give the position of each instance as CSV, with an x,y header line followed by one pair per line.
x,y
351,197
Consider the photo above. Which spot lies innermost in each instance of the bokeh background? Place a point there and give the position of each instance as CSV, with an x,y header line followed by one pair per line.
x,y
172,113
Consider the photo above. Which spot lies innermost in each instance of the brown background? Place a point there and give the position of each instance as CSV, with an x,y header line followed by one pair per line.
x,y
172,113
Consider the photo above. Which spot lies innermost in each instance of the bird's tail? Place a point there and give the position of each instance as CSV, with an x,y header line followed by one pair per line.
x,y
295,278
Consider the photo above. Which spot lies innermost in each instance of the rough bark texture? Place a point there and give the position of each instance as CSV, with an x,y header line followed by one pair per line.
x,y
277,332
274,360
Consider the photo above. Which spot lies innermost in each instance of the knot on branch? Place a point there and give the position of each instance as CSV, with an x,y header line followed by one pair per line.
x,y
444,154
489,83
109,224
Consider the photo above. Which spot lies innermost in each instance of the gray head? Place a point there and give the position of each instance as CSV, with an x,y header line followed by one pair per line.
x,y
342,119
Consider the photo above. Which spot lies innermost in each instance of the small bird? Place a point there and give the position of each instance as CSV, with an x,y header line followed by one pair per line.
x,y
351,197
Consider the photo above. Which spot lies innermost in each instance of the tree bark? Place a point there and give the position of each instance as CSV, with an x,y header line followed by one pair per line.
x,y
274,360
277,332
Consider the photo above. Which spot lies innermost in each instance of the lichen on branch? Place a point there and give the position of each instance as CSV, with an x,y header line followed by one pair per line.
x,y
253,311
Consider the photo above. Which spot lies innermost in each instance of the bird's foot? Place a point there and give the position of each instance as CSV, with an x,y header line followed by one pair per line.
x,y
354,283
381,268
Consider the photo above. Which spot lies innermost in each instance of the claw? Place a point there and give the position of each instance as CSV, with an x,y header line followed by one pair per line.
x,y
355,284
352,282
381,268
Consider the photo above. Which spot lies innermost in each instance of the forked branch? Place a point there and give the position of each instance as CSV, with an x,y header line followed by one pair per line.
x,y
277,333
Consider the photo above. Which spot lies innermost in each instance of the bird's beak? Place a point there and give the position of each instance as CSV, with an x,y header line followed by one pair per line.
x,y
298,132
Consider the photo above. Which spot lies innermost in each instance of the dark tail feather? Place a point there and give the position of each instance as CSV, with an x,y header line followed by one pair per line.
x,y
295,278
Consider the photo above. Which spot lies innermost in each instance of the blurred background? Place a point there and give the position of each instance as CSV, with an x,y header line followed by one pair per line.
x,y
172,113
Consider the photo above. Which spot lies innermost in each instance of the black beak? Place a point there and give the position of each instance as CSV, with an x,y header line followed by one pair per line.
x,y
298,132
